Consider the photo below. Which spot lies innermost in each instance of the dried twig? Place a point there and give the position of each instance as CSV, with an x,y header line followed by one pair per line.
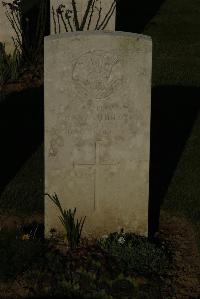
x,y
108,19
54,19
76,22
68,19
91,14
107,16
99,15
63,20
58,18
18,39
86,14
14,13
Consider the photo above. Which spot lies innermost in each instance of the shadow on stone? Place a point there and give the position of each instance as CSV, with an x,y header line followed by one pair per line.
x,y
173,112
21,130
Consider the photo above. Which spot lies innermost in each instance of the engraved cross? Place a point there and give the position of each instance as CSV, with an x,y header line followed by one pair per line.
x,y
97,163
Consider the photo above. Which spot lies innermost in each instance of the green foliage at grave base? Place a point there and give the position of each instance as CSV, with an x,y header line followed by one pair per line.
x,y
137,254
73,228
92,271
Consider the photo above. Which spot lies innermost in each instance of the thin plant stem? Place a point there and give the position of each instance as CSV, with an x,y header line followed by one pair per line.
x,y
54,20
75,15
86,14
91,15
15,22
99,16
108,19
16,32
108,15
69,23
58,18
65,25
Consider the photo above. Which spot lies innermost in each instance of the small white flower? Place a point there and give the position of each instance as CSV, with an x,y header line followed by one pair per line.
x,y
121,240
25,237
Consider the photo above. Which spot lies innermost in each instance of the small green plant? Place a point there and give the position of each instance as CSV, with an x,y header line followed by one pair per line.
x,y
72,228
9,65
136,253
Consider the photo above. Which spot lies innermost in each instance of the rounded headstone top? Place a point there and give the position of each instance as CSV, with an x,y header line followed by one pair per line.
x,y
97,33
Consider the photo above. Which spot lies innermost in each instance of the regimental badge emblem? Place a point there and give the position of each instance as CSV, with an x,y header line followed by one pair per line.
x,y
96,74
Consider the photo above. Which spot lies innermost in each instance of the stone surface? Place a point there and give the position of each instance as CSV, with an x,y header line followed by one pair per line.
x,y
6,31
97,129
106,5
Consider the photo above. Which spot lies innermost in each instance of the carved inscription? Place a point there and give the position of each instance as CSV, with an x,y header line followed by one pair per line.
x,y
96,74
56,142
109,116
73,123
112,113
99,119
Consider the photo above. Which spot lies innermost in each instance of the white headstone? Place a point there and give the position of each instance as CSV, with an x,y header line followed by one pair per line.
x,y
97,129
100,11
6,30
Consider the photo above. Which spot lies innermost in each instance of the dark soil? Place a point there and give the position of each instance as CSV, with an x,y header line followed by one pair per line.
x,y
12,222
183,281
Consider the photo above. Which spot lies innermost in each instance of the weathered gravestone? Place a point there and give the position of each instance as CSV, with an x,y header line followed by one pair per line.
x,y
101,12
97,129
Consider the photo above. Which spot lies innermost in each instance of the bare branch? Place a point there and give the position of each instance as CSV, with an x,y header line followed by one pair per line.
x,y
75,15
107,16
91,14
65,25
58,18
15,44
99,16
15,22
86,14
14,28
108,19
68,19
54,20
18,19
